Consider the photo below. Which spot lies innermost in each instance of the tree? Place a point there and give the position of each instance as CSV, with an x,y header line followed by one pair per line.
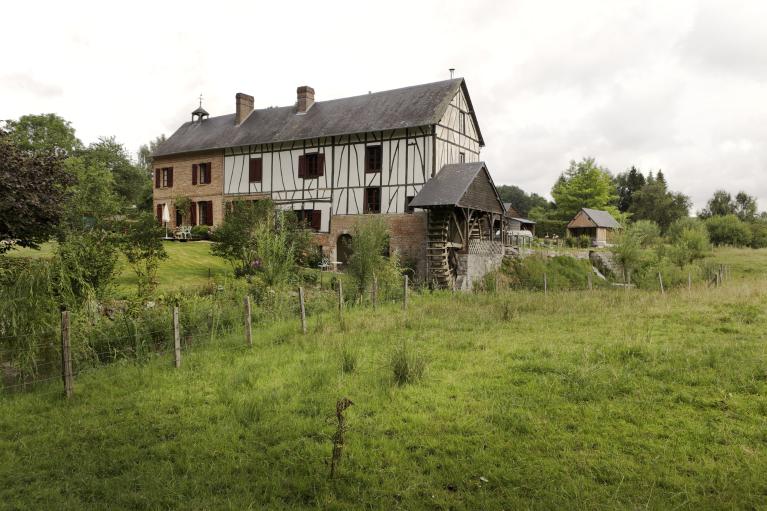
x,y
627,184
370,238
235,239
720,204
146,151
689,241
583,185
520,200
728,230
131,183
654,202
45,133
745,207
142,246
33,194
92,202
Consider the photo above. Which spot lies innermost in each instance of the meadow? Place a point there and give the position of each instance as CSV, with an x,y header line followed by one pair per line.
x,y
610,399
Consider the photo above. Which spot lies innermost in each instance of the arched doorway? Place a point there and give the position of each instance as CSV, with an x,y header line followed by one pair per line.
x,y
344,249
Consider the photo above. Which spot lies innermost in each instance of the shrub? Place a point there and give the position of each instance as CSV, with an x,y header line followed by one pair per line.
x,y
370,239
201,232
234,240
758,234
689,243
645,232
142,246
728,230
406,366
85,265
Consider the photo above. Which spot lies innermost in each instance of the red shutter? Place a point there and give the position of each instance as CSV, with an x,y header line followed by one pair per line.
x,y
158,212
157,178
320,164
170,177
302,166
194,213
316,219
209,213
208,172
194,173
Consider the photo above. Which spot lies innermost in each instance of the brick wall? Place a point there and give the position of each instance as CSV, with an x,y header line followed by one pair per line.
x,y
407,235
183,187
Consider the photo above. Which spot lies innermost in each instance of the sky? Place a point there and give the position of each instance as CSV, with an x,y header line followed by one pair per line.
x,y
674,85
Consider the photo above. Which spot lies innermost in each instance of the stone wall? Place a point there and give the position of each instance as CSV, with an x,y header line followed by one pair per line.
x,y
484,256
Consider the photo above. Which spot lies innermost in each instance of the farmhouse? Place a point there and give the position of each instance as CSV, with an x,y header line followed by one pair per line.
x,y
332,161
596,224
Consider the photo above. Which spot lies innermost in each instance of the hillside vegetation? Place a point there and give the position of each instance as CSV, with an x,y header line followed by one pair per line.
x,y
606,399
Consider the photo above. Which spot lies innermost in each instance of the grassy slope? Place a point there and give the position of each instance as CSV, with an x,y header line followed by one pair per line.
x,y
187,265
576,400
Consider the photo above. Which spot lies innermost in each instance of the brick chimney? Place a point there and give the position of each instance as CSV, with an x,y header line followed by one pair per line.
x,y
244,107
305,99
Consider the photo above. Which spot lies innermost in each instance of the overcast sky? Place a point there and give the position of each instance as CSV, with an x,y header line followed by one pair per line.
x,y
676,85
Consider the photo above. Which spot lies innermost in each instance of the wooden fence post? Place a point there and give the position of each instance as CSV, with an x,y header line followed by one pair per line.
x,y
591,285
176,338
689,281
374,292
66,356
248,327
404,294
660,279
545,284
303,309
340,298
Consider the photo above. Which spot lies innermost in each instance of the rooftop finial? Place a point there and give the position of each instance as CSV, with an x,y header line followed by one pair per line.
x,y
452,71
199,114
201,100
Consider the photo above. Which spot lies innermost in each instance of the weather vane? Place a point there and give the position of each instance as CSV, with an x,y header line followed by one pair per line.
x,y
201,100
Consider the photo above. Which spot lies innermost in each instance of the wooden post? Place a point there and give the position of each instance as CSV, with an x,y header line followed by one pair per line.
x,y
248,327
404,294
689,281
591,285
340,298
176,338
660,279
374,292
545,284
66,356
303,309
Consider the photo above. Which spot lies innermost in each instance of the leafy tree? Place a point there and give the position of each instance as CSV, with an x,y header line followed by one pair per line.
x,y
520,200
131,183
85,265
627,184
92,203
728,230
583,185
646,232
146,151
141,243
758,234
689,241
654,202
720,204
33,194
45,133
745,207
370,238
235,239
627,250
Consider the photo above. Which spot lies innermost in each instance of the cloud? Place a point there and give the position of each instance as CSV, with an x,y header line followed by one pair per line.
x,y
27,84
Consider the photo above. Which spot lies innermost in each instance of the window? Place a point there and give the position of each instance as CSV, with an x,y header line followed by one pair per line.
x,y
373,158
201,173
255,170
311,165
312,218
158,212
163,178
462,123
462,157
372,200
179,217
205,213
408,207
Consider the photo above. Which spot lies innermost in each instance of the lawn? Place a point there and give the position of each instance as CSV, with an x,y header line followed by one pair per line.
x,y
606,399
188,264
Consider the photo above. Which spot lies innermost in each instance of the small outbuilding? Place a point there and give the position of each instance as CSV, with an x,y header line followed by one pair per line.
x,y
594,223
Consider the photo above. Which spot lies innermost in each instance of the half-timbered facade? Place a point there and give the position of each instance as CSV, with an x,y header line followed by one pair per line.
x,y
329,161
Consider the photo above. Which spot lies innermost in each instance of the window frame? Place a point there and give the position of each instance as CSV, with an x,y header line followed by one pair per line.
x,y
366,202
462,123
371,162
166,177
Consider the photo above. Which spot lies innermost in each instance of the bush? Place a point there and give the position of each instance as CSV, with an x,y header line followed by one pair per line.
x,y
758,234
728,230
370,239
550,228
201,232
689,243
645,232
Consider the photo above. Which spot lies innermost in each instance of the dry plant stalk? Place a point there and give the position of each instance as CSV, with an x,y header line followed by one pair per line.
x,y
338,436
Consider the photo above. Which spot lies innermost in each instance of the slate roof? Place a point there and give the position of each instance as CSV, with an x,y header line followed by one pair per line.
x,y
450,185
408,107
601,218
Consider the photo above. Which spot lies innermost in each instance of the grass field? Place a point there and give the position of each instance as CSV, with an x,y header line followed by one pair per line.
x,y
188,265
602,400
